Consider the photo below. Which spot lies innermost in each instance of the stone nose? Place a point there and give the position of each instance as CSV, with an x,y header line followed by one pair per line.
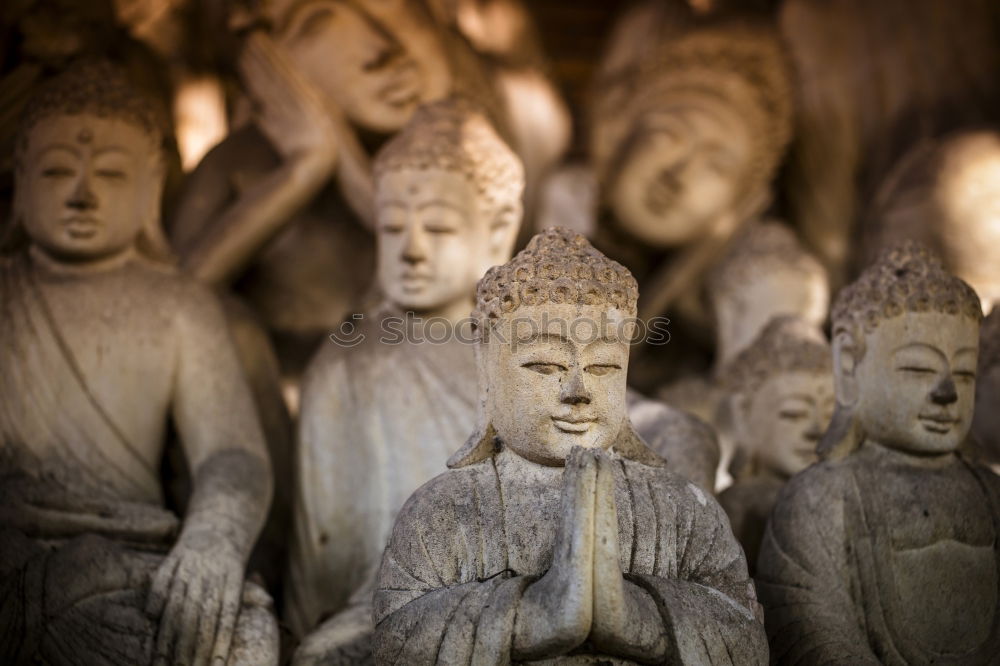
x,y
574,390
415,248
944,392
82,197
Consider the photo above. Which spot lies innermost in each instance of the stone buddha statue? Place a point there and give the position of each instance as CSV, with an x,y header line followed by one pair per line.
x,y
686,135
764,273
381,410
103,345
885,552
558,534
946,194
781,394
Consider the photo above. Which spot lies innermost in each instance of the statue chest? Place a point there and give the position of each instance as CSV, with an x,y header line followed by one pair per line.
x,y
934,569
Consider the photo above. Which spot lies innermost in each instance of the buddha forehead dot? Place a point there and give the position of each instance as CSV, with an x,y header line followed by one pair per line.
x,y
85,136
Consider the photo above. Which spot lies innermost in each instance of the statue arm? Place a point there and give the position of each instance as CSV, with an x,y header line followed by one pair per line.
x,y
196,592
803,574
303,129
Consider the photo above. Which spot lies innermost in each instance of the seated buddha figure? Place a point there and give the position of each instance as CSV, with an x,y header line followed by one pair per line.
x,y
381,411
885,552
558,534
781,399
103,345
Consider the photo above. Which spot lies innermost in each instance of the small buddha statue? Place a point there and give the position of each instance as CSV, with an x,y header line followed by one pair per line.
x,y
103,345
885,551
945,193
558,533
781,394
380,417
765,273
686,135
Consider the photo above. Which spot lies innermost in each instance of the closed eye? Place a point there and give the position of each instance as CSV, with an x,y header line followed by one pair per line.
x,y
792,414
966,375
111,174
545,368
916,369
57,172
601,369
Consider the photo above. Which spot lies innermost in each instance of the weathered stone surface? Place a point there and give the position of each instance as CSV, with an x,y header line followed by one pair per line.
x,y
560,534
885,552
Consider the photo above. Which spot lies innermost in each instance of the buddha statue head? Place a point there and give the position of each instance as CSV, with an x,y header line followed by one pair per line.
x,y
554,326
376,60
448,207
765,273
695,134
946,194
781,397
89,169
905,348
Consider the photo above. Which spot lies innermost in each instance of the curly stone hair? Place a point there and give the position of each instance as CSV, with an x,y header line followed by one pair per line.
x,y
739,63
90,86
787,344
905,278
769,244
558,266
455,135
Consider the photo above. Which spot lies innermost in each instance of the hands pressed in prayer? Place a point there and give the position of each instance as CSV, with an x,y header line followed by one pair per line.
x,y
197,593
556,611
584,594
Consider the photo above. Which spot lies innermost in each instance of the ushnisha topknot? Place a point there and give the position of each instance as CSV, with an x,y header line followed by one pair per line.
x,y
558,266
906,278
91,86
768,244
787,344
454,134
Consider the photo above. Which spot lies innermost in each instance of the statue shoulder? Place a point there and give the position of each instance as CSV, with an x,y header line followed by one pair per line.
x,y
447,497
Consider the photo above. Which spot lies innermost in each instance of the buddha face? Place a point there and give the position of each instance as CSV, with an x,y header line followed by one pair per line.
x,y
915,384
86,185
683,171
377,61
435,240
786,418
556,379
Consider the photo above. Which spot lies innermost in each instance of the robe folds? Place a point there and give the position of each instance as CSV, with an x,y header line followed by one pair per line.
x,y
882,559
378,420
468,543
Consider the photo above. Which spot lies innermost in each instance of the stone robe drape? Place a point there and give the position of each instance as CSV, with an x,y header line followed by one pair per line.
x,y
873,560
468,543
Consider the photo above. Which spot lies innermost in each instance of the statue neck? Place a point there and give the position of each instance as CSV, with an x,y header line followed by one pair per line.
x,y
62,268
930,460
453,313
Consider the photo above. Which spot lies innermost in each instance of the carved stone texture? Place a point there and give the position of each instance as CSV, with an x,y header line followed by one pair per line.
x,y
102,343
885,552
780,394
559,534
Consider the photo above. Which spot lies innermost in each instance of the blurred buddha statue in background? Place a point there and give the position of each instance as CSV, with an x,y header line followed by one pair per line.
x,y
781,394
945,194
688,124
765,273
383,409
874,79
